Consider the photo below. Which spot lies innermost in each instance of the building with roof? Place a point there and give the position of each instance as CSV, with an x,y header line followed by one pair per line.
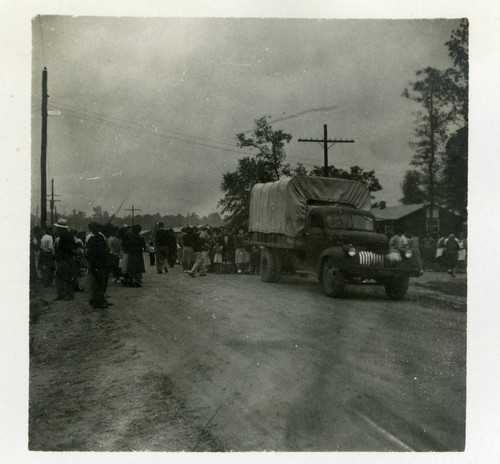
x,y
419,219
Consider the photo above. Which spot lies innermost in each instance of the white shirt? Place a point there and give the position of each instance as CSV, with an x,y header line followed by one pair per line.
x,y
47,243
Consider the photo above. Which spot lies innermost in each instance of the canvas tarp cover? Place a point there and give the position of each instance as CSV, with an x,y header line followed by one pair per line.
x,y
280,207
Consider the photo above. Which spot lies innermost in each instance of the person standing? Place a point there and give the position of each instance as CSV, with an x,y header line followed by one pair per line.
x,y
124,236
46,263
64,256
172,248
451,248
35,239
462,253
162,249
188,241
241,256
226,241
428,247
115,248
98,266
439,253
136,267
152,253
414,246
395,246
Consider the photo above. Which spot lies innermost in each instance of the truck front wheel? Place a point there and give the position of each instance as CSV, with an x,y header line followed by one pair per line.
x,y
332,278
397,287
269,266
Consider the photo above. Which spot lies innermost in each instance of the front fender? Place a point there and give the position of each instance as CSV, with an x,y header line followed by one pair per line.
x,y
336,253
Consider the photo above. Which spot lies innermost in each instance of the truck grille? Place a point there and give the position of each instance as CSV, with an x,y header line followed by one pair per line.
x,y
367,258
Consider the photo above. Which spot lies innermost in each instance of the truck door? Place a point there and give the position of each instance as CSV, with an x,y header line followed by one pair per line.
x,y
315,238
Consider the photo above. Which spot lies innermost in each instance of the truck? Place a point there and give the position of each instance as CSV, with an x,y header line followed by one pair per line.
x,y
323,227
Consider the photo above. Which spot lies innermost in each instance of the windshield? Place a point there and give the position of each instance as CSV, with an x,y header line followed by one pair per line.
x,y
347,220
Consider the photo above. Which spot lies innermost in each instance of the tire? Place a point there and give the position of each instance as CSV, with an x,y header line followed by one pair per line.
x,y
397,287
332,279
269,266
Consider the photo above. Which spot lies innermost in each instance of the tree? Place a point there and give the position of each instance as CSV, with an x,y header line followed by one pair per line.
x,y
431,124
355,173
455,158
267,165
270,144
441,143
458,91
78,220
237,186
412,188
454,175
98,215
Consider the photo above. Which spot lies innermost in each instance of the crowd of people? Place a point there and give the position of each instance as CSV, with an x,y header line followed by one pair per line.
x,y
204,249
433,253
61,256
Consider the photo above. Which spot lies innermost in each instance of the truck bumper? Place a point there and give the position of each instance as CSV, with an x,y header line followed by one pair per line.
x,y
375,272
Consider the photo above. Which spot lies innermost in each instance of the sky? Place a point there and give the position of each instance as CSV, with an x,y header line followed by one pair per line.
x,y
149,107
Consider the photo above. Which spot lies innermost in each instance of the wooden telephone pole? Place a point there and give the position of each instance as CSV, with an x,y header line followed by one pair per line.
x,y
325,141
133,210
43,157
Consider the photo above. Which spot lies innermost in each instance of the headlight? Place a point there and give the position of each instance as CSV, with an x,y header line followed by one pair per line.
x,y
408,254
351,251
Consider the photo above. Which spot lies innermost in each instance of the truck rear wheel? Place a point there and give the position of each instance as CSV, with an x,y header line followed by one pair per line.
x,y
269,266
397,287
333,279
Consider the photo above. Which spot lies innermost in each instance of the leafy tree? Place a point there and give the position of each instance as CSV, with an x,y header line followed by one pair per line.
x,y
270,145
412,187
78,220
266,166
213,220
441,142
454,175
237,186
458,90
431,125
355,173
300,170
98,215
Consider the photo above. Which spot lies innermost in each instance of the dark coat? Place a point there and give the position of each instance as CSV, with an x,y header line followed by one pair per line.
x,y
136,246
228,249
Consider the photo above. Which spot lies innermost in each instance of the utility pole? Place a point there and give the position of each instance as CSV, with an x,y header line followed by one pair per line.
x,y
52,201
325,143
43,157
133,210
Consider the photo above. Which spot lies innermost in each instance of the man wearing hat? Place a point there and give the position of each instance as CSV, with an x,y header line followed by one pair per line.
x,y
65,252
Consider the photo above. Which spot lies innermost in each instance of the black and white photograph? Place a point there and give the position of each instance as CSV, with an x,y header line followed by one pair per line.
x,y
250,233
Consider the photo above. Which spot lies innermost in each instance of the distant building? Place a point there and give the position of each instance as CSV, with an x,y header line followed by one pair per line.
x,y
419,219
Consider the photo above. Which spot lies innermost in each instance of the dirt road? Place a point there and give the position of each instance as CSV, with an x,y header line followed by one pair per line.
x,y
226,362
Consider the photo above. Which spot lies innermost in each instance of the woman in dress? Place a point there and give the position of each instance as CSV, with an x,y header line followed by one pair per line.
x,y
241,256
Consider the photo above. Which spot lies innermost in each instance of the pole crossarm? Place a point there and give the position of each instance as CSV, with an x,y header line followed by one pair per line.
x,y
133,209
325,141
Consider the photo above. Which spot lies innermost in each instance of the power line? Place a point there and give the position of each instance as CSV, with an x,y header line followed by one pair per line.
x,y
138,127
169,137
121,120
